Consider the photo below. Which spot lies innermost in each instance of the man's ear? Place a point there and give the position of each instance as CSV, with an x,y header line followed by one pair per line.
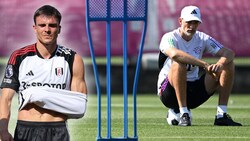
x,y
34,28
59,31
180,20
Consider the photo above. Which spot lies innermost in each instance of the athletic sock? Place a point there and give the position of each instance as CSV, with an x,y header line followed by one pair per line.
x,y
183,110
221,109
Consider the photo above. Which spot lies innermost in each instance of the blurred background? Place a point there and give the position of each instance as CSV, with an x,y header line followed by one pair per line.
x,y
227,21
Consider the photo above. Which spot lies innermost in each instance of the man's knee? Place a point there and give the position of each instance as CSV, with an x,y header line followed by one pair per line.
x,y
176,67
230,66
177,72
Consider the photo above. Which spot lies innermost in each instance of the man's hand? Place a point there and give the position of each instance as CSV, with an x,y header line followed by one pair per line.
x,y
215,70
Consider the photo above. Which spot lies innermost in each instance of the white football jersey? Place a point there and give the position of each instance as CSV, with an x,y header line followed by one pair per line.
x,y
27,68
200,43
73,104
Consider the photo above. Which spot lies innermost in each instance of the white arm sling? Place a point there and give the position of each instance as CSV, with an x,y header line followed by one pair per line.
x,y
72,104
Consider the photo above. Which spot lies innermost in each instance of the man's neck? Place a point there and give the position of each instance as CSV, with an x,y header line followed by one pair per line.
x,y
46,50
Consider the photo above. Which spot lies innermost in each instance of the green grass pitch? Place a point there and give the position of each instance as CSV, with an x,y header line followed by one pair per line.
x,y
151,122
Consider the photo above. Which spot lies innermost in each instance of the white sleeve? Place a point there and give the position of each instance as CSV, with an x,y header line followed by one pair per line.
x,y
167,41
212,46
72,104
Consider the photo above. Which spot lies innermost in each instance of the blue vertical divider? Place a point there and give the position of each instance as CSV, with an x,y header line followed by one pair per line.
x,y
111,11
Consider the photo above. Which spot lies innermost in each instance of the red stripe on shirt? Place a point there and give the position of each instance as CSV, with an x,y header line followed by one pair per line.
x,y
19,52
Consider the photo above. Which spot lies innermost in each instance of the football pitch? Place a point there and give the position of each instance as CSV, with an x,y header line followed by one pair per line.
x,y
151,122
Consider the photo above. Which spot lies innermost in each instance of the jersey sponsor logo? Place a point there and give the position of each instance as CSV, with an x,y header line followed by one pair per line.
x,y
59,71
9,71
39,84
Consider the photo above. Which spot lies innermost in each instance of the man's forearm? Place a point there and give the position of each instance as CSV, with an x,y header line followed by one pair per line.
x,y
226,56
4,116
224,60
5,104
186,58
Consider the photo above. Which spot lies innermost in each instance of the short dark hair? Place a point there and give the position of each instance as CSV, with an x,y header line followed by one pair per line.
x,y
48,11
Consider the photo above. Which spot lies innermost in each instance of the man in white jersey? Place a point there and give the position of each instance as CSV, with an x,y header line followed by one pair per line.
x,y
37,71
180,86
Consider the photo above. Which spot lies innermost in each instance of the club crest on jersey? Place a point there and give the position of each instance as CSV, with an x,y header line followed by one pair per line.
x,y
9,71
59,71
197,50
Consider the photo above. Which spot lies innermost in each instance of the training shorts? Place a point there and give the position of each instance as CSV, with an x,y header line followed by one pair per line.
x,y
196,94
41,131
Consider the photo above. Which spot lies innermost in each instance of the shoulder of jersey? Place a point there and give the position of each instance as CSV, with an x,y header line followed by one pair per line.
x,y
27,50
64,51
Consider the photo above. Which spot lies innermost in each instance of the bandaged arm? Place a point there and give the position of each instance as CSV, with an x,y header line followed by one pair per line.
x,y
72,104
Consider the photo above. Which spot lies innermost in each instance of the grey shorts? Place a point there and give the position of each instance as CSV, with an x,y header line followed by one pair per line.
x,y
196,94
41,131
